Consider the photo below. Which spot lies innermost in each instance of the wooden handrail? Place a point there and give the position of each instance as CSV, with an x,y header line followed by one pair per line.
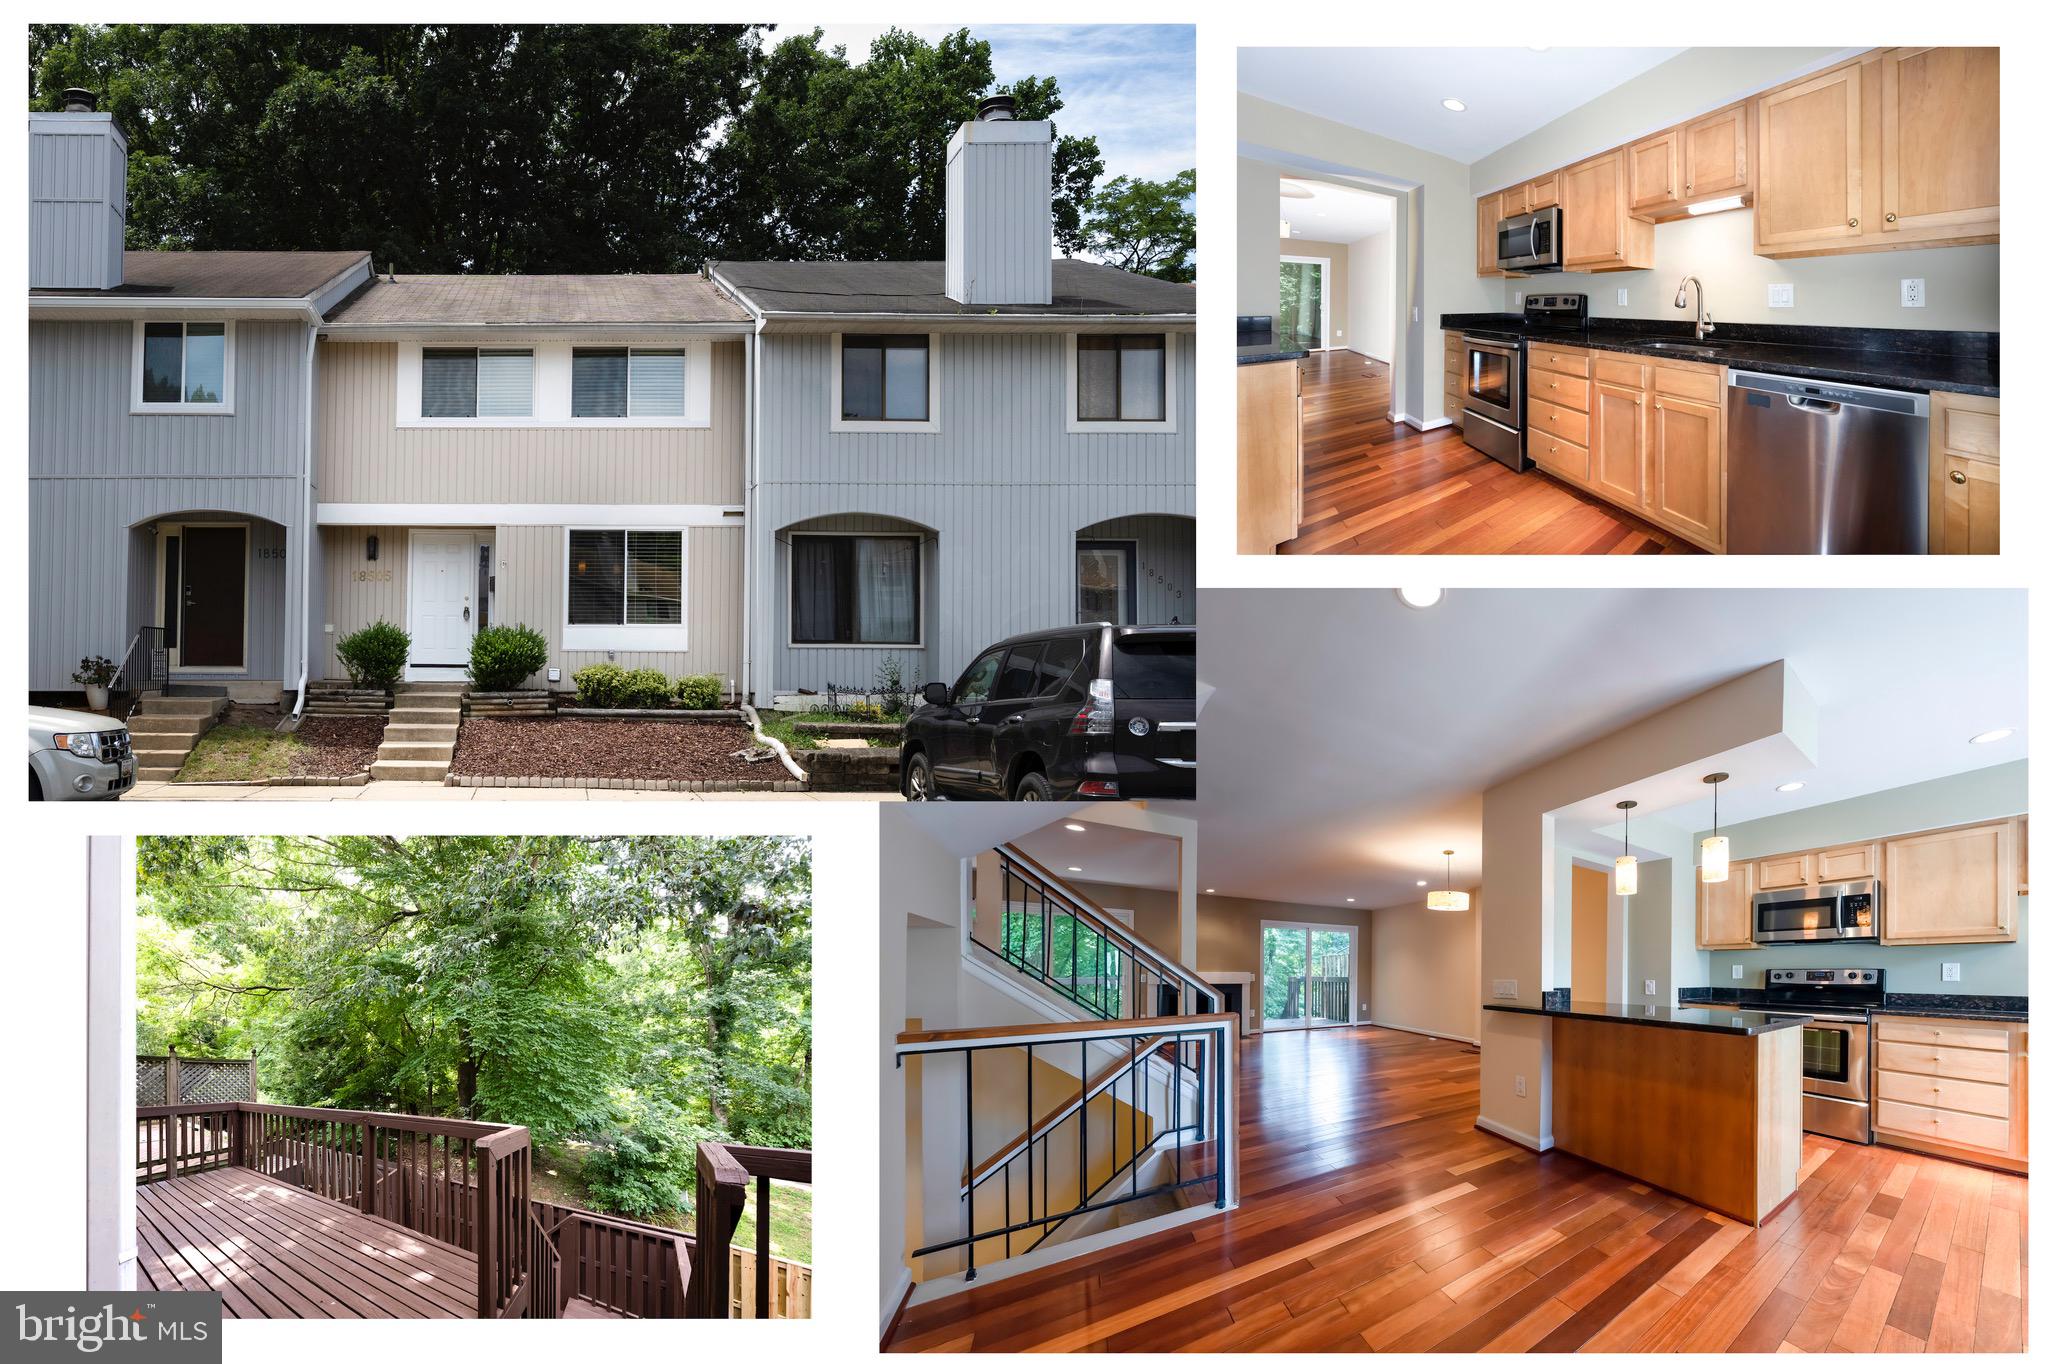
x,y
723,1173
1103,921
1024,1032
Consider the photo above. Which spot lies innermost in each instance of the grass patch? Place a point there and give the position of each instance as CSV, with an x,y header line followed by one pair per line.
x,y
240,753
781,724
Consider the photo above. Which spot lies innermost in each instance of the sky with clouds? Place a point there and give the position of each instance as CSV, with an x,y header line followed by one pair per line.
x,y
1132,86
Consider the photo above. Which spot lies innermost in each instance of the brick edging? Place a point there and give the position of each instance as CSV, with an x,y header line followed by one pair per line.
x,y
359,779
622,784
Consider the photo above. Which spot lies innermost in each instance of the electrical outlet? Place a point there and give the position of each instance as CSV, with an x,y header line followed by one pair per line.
x,y
1518,298
1621,298
1340,333
1951,970
1781,296
1521,1086
1912,293
1738,970
1649,986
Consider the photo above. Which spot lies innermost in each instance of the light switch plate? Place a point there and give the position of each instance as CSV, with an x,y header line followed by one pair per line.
x,y
1781,296
1621,298
1506,989
1951,970
1738,970
1912,293
1649,986
1521,1086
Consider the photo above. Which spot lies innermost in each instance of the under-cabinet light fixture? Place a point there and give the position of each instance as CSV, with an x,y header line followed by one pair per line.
x,y
1714,850
1721,205
1625,865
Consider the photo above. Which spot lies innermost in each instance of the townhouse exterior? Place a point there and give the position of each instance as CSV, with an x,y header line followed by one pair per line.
x,y
781,475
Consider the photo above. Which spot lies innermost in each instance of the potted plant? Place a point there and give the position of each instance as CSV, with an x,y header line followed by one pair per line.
x,y
95,674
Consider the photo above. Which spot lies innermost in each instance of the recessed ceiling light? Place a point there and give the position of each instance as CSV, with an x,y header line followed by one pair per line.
x,y
1073,869
1422,883
1421,598
1078,828
1544,48
1350,899
1456,106
1208,890
1792,786
1991,736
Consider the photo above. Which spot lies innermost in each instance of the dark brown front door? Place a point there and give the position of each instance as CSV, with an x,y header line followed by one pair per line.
x,y
216,579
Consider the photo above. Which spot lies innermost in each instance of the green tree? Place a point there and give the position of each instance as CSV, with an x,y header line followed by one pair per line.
x,y
1146,226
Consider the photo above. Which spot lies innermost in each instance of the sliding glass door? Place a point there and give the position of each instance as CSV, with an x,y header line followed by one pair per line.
x,y
1304,975
1304,301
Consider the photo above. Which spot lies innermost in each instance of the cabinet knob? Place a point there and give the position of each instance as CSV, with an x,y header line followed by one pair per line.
x,y
1852,222
1956,476
1891,217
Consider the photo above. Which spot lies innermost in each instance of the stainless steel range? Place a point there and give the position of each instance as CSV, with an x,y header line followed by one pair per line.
x,y
1835,1044
1497,373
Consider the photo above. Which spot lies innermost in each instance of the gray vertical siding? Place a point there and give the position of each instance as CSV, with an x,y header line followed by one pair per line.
x,y
1003,490
1166,564
78,196
998,212
818,666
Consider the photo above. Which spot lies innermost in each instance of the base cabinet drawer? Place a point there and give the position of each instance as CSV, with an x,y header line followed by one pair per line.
x,y
1567,459
1935,1032
1934,1091
1563,389
1561,422
1574,362
1993,1135
1948,1063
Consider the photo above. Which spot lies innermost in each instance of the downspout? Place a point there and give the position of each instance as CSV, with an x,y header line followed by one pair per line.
x,y
305,552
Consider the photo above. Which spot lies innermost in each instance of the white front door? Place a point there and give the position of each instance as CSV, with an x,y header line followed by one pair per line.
x,y
441,602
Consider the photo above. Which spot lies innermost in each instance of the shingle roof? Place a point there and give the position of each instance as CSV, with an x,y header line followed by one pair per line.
x,y
222,274
1079,288
539,300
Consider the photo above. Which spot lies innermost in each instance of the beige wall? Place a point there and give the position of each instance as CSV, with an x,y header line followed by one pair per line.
x,y
1258,255
1832,291
1339,283
1425,969
1588,979
363,454
1227,939
1373,304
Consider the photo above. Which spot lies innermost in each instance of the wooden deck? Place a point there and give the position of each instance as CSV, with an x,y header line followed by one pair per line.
x,y
271,1249
1376,1217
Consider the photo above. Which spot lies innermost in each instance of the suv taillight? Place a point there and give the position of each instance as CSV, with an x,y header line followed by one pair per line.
x,y
1098,716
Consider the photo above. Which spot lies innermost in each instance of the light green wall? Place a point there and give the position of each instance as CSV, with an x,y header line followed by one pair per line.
x,y
1988,968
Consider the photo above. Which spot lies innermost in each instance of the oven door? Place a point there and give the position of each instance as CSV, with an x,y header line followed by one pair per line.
x,y
1795,916
1834,1059
1530,241
1493,382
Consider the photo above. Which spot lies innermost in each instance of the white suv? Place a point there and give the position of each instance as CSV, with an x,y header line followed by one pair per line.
x,y
73,755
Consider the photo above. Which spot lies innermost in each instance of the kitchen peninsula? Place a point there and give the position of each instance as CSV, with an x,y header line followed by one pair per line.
x,y
1704,1103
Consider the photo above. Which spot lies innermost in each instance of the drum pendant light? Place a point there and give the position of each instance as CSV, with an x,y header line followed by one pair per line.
x,y
1714,850
1624,865
1448,898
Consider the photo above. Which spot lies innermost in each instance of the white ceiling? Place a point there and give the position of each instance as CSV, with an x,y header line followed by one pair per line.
x,y
1332,213
1398,92
1106,853
1358,734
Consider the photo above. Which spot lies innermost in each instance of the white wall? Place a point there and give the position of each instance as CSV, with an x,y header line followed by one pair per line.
x,y
1372,304
1425,970
1258,243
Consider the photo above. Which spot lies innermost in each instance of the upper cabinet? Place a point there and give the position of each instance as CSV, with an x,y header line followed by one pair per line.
x,y
1809,185
1716,154
1489,235
1953,885
1938,142
1721,909
1653,180
1541,192
1599,234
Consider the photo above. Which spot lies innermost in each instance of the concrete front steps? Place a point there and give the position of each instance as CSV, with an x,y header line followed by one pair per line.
x,y
419,732
164,729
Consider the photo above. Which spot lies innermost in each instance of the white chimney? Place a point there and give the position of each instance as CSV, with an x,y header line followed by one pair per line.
x,y
77,195
999,209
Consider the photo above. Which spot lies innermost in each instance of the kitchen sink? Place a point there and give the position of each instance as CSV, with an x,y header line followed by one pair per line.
x,y
1683,347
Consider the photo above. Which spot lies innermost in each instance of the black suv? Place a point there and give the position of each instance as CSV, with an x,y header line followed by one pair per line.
x,y
1087,712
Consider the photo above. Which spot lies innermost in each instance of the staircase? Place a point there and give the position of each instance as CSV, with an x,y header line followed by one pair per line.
x,y
164,729
419,735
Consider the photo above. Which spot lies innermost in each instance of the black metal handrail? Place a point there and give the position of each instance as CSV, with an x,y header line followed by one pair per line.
x,y
1202,1046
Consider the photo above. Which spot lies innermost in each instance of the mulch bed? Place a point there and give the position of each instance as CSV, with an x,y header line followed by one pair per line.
x,y
651,750
337,745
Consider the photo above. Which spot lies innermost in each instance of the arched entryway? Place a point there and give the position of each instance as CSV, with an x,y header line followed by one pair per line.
x,y
1136,570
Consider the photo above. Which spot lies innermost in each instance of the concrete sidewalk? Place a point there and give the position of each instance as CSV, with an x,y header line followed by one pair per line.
x,y
430,790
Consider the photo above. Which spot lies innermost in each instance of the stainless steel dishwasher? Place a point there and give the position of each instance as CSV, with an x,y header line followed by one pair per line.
x,y
1819,468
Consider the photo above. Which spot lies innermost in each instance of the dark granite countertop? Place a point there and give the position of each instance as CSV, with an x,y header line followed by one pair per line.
x,y
1271,348
1990,1008
1919,361
1742,1022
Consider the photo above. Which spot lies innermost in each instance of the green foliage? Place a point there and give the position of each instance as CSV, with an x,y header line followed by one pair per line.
x,y
1146,226
648,688
96,671
644,1163
606,686
865,710
375,655
503,656
702,691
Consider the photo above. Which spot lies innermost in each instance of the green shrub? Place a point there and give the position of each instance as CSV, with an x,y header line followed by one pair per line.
x,y
602,685
864,710
701,692
644,1162
375,655
503,656
648,688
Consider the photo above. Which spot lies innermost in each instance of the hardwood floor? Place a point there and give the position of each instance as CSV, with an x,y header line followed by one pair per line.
x,y
1372,486
1376,1217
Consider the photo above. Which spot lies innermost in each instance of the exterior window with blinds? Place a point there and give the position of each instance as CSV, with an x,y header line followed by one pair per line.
x,y
626,589
1120,378
620,381
465,382
855,589
183,366
885,378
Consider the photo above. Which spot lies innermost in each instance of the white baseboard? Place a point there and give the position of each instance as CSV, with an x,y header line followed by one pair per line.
x,y
1429,1032
1518,1137
898,1293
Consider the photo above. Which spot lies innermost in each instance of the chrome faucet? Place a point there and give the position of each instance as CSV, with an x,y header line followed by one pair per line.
x,y
1703,321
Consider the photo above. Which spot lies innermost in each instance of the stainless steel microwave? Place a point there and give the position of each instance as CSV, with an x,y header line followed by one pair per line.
x,y
1532,243
1845,911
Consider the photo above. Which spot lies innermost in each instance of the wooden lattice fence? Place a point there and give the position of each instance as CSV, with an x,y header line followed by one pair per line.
x,y
175,1079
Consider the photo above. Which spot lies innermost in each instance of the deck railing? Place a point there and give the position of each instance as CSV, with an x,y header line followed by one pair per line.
x,y
627,1267
723,1174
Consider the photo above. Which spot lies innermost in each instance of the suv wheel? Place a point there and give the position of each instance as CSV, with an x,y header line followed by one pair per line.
x,y
1033,786
918,782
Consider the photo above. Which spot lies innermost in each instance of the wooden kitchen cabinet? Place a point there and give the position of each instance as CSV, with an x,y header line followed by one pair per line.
x,y
1620,442
1514,200
1962,462
1454,379
1686,485
1268,455
1721,909
1787,871
1953,1087
1540,193
1938,142
1855,862
1599,234
1953,885
1809,187
1715,152
1489,235
1653,174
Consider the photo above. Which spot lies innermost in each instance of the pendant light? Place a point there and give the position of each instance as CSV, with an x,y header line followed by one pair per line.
x,y
1624,865
1448,898
1714,850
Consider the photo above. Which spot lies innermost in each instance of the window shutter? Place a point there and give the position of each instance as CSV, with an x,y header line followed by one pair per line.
x,y
504,383
654,577
598,383
447,383
657,383
597,577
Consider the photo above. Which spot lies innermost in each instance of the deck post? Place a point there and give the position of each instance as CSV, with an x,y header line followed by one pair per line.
x,y
237,1119
369,1169
486,1267
172,1086
171,1126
